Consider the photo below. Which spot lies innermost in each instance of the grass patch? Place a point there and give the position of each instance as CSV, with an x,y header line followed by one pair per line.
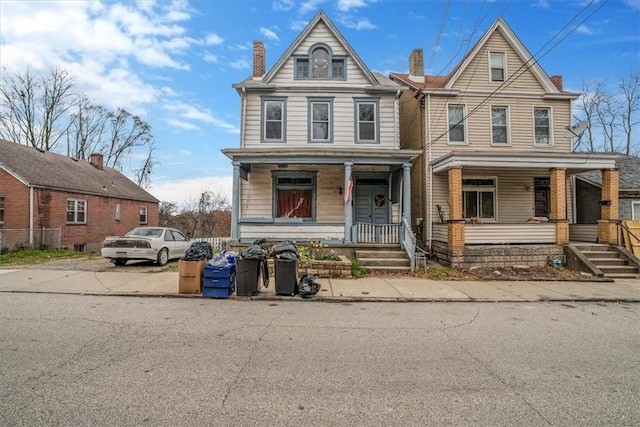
x,y
357,270
34,256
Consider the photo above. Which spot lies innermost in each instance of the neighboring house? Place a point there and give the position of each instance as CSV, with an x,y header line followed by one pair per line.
x,y
320,157
490,185
586,190
51,199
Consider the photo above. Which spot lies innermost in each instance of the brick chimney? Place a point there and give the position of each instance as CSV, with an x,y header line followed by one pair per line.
x,y
557,81
96,161
416,65
258,59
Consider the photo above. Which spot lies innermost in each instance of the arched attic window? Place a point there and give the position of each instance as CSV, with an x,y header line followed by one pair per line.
x,y
320,63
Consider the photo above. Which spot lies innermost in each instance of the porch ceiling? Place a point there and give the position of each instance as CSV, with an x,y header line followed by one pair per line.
x,y
572,162
320,155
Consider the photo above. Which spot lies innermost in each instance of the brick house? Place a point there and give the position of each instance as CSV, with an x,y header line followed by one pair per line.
x,y
41,190
492,183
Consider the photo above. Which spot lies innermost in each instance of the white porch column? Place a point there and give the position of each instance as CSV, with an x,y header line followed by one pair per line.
x,y
348,210
235,203
406,192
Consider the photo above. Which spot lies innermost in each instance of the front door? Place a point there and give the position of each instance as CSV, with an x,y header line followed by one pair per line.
x,y
372,204
542,189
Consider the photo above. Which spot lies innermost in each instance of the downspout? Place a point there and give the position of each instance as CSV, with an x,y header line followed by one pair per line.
x,y
31,213
396,124
429,173
243,107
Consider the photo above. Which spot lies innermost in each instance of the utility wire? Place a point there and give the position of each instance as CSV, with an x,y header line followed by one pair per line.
x,y
528,64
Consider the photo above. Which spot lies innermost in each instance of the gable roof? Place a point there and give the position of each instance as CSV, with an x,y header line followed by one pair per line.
x,y
44,169
628,170
447,82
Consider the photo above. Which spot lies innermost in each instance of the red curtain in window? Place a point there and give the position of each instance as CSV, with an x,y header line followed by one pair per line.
x,y
294,203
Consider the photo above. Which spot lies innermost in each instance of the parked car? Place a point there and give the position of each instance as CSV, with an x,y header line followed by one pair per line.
x,y
159,244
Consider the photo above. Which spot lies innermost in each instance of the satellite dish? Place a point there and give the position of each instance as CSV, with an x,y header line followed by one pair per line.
x,y
575,131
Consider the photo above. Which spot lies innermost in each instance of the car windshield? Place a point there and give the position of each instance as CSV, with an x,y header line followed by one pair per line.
x,y
145,232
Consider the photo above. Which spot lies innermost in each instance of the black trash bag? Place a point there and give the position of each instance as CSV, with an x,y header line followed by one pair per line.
x,y
307,286
219,260
198,251
256,250
285,250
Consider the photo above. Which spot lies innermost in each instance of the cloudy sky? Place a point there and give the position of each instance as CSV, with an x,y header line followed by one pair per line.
x,y
173,61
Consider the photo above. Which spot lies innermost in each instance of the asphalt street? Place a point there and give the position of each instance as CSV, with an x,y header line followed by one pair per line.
x,y
117,361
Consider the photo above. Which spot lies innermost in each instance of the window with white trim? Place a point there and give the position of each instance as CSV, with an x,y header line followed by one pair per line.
x,y
367,120
320,63
457,124
294,195
320,119
273,119
76,211
118,211
479,198
497,66
542,125
499,125
635,210
143,214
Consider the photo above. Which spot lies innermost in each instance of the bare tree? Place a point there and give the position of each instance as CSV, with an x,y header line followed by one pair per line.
x,y
588,108
143,173
630,110
34,109
87,130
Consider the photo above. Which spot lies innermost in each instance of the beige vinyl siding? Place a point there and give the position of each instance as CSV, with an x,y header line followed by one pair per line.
x,y
476,75
521,124
297,121
321,34
292,231
514,203
257,193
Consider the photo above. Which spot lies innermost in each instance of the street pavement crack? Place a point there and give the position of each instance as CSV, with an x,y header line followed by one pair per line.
x,y
249,359
488,368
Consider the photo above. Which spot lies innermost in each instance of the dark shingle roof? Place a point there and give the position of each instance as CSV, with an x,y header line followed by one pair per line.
x,y
629,173
44,169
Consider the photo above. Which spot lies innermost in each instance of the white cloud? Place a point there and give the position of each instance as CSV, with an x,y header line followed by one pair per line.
x,y
357,24
268,34
191,112
213,40
584,29
240,64
283,5
209,57
182,125
310,6
188,190
347,5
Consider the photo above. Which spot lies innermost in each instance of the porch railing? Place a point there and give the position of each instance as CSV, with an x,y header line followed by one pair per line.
x,y
408,242
377,233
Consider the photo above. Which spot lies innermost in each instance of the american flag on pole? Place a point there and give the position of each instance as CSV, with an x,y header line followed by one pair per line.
x,y
349,190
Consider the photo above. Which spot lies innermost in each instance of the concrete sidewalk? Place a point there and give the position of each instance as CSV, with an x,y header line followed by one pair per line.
x,y
398,289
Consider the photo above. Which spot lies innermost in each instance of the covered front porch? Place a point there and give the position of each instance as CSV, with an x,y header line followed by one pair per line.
x,y
331,196
495,208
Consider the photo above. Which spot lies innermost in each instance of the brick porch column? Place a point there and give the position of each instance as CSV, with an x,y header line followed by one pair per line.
x,y
608,223
455,224
559,205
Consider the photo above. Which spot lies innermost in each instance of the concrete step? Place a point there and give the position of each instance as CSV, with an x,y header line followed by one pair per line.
x,y
622,276
381,262
388,269
381,254
593,248
618,269
609,261
601,254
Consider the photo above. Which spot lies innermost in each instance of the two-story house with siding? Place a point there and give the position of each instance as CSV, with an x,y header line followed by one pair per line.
x,y
320,156
491,183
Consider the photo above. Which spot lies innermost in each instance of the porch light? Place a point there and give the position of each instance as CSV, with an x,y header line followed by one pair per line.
x,y
340,191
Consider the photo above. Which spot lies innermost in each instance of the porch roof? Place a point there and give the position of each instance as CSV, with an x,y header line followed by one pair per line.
x,y
320,155
572,162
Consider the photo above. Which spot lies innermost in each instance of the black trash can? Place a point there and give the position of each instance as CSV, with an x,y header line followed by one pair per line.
x,y
286,272
247,273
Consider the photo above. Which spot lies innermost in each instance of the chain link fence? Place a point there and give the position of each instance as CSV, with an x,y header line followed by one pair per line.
x,y
16,238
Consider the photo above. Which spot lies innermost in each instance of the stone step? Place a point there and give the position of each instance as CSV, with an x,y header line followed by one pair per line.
x,y
381,262
619,269
381,254
388,269
593,248
609,261
601,254
623,276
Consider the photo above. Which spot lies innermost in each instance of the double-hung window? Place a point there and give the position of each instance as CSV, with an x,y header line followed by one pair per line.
x,y
499,125
273,119
143,214
456,124
294,195
320,63
542,126
479,198
368,122
497,66
320,119
1,211
76,211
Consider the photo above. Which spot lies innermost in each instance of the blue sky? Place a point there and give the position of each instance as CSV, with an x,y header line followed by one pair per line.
x,y
173,62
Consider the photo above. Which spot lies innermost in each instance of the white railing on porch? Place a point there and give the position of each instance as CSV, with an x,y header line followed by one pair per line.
x,y
408,242
377,233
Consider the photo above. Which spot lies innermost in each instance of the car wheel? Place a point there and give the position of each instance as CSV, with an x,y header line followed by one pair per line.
x,y
119,262
163,256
